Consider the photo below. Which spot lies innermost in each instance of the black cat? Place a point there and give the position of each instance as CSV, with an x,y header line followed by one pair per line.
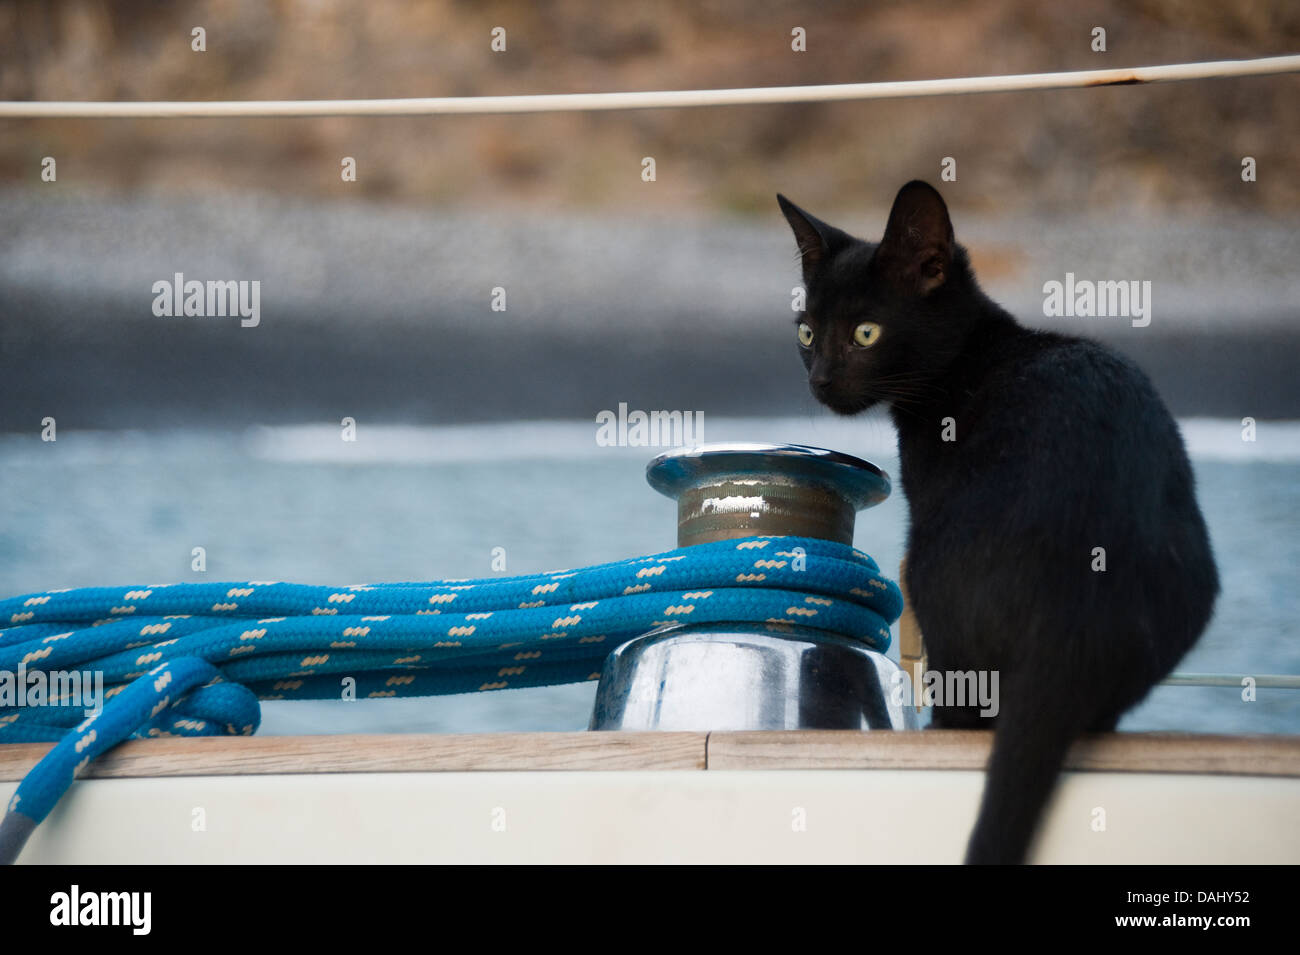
x,y
1054,533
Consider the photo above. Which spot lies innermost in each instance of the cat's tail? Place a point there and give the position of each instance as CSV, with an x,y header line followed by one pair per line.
x,y
1033,736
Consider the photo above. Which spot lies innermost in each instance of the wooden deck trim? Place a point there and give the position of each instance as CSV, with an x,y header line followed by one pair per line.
x,y
957,749
378,753
585,751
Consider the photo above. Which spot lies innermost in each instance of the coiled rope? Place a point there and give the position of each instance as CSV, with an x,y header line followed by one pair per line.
x,y
194,659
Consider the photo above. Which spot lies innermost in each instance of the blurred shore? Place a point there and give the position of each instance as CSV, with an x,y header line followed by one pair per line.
x,y
385,312
1149,147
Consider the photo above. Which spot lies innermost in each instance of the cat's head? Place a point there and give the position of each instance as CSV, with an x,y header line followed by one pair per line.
x,y
882,319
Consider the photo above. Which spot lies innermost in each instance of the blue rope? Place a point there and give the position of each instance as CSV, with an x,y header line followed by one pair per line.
x,y
193,659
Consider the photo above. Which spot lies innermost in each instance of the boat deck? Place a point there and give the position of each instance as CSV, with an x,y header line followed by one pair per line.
x,y
1260,755
799,796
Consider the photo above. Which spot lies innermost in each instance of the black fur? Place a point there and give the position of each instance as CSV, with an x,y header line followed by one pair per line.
x,y
1061,446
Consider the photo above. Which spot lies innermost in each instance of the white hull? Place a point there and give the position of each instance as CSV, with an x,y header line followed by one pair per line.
x,y
686,813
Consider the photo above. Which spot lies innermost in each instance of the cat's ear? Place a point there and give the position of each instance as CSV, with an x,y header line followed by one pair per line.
x,y
918,244
816,239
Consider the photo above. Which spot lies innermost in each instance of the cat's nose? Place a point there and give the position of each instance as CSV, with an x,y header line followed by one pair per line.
x,y
819,380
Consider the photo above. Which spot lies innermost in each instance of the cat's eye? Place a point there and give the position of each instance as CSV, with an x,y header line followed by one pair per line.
x,y
805,334
866,334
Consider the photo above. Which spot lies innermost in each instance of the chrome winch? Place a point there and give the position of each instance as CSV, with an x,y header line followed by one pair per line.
x,y
742,677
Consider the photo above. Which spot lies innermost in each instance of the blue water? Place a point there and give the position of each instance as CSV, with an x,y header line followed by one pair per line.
x,y
300,504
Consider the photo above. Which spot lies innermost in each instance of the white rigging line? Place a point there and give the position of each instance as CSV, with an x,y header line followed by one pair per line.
x,y
1268,681
574,102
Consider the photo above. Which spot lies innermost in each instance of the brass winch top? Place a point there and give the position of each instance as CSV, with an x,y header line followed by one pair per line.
x,y
735,490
